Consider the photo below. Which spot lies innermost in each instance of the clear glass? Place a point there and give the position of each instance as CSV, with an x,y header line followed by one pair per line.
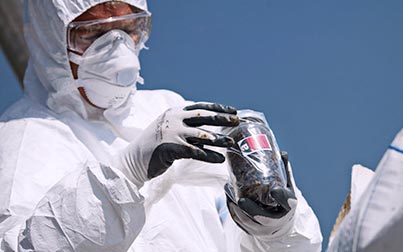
x,y
81,34
255,160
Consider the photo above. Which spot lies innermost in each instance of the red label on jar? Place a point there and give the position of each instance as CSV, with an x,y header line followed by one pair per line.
x,y
254,143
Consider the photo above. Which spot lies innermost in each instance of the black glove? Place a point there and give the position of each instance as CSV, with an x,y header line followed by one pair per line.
x,y
260,220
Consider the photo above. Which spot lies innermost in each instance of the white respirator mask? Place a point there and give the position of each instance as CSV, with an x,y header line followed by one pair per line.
x,y
109,69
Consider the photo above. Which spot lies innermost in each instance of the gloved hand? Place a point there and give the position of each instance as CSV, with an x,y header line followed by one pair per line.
x,y
175,135
262,221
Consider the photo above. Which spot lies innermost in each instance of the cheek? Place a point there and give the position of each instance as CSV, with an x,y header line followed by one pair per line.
x,y
136,39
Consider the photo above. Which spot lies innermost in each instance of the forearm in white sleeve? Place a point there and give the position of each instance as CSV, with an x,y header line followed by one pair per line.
x,y
94,209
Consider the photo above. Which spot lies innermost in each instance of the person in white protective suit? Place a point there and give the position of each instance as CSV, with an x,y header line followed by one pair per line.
x,y
375,218
87,163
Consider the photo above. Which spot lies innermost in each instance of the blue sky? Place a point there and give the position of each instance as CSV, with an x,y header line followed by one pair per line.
x,y
327,74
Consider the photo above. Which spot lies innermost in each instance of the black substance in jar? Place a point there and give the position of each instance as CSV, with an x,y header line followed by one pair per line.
x,y
255,162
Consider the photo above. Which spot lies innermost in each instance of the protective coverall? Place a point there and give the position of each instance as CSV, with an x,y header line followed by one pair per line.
x,y
375,220
60,191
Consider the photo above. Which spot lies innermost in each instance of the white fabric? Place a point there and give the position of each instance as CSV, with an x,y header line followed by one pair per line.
x,y
375,223
59,190
360,178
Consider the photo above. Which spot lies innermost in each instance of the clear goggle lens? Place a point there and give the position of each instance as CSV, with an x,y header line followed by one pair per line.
x,y
81,34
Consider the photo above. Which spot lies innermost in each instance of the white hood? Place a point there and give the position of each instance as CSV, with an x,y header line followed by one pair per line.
x,y
49,79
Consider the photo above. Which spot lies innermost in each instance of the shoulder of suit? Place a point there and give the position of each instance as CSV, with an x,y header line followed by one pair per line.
x,y
165,97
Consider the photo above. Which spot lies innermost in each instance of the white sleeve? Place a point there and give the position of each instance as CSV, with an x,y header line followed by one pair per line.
x,y
95,209
51,199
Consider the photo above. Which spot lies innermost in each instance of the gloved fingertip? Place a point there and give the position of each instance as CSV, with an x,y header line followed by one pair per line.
x,y
224,141
234,120
231,110
209,156
218,158
282,196
198,152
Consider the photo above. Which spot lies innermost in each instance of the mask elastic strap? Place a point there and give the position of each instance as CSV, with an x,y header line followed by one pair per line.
x,y
76,59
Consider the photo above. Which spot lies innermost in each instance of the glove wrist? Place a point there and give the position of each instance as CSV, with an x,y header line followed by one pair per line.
x,y
133,168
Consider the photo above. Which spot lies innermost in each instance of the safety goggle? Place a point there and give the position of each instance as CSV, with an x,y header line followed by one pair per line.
x,y
81,34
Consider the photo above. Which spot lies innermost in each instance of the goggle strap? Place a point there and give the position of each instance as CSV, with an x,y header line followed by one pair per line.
x,y
75,58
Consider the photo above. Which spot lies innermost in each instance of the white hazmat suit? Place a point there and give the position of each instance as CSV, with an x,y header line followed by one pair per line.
x,y
375,220
60,191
